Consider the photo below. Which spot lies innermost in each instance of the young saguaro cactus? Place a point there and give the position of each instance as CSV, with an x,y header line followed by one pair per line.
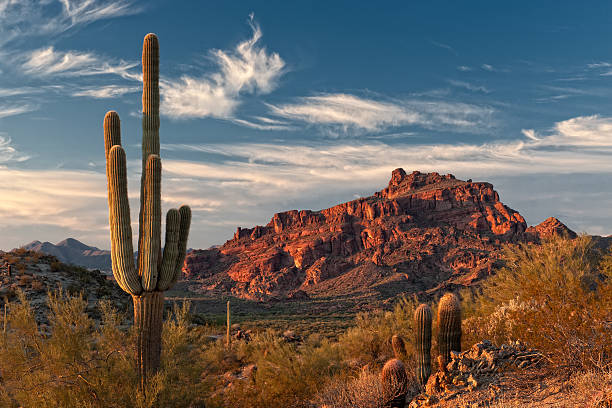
x,y
395,383
422,323
399,348
449,326
155,273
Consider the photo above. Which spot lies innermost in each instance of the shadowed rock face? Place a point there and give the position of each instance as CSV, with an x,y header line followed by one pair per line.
x,y
424,232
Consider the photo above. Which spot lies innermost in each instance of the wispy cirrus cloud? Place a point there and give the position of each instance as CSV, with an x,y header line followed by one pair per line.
x,y
8,153
469,86
247,69
13,110
50,62
107,91
23,19
345,113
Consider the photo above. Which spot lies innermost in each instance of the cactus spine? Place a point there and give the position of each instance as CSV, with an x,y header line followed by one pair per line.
x,y
422,323
395,383
449,326
155,273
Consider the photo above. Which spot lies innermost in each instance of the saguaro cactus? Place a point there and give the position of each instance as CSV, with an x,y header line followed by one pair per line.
x,y
399,348
422,324
395,383
155,273
449,326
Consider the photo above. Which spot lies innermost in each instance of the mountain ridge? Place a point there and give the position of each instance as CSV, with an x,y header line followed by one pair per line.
x,y
422,233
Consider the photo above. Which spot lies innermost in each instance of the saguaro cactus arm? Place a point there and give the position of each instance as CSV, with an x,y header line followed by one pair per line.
x,y
171,250
121,230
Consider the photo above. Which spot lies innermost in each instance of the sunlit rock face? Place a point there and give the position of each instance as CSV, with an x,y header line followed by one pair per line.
x,y
423,232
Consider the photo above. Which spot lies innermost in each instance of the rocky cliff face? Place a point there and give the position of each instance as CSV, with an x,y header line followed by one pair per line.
x,y
422,233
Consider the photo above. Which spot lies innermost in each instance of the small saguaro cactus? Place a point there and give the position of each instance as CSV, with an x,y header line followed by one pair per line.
x,y
449,326
227,334
154,273
422,324
395,383
399,348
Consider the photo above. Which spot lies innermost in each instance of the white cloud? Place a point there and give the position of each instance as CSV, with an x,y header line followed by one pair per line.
x,y
248,182
48,61
108,91
487,67
530,133
262,123
345,112
247,69
15,110
8,153
601,64
87,11
469,86
464,68
23,19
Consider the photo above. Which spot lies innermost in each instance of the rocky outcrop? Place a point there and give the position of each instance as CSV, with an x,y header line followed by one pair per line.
x,y
423,232
549,228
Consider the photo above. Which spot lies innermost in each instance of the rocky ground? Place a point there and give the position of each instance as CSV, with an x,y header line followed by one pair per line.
x,y
36,275
509,376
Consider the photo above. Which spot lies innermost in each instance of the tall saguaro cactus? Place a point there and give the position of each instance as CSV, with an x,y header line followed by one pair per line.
x,y
449,326
154,273
422,323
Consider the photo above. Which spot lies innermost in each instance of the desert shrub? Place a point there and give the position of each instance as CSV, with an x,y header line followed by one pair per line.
x,y
363,391
288,374
369,341
79,363
556,297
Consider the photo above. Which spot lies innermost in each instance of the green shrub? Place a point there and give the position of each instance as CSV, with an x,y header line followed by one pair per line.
x,y
77,363
556,297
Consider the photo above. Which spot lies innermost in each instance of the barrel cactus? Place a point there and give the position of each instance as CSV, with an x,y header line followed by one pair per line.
x,y
395,383
449,326
399,347
154,273
422,324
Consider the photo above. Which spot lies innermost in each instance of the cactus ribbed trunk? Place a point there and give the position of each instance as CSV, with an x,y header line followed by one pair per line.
x,y
153,273
422,320
449,326
148,320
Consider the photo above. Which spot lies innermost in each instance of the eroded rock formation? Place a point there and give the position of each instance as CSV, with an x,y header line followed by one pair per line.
x,y
423,232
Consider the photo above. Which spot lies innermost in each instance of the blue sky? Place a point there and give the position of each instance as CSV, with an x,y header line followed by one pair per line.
x,y
275,105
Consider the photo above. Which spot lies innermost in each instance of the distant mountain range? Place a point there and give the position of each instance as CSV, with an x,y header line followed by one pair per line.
x,y
75,252
72,251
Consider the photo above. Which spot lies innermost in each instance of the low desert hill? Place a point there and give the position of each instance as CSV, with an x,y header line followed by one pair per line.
x,y
421,234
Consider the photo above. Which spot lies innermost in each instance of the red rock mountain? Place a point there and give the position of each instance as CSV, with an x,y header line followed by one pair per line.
x,y
424,232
